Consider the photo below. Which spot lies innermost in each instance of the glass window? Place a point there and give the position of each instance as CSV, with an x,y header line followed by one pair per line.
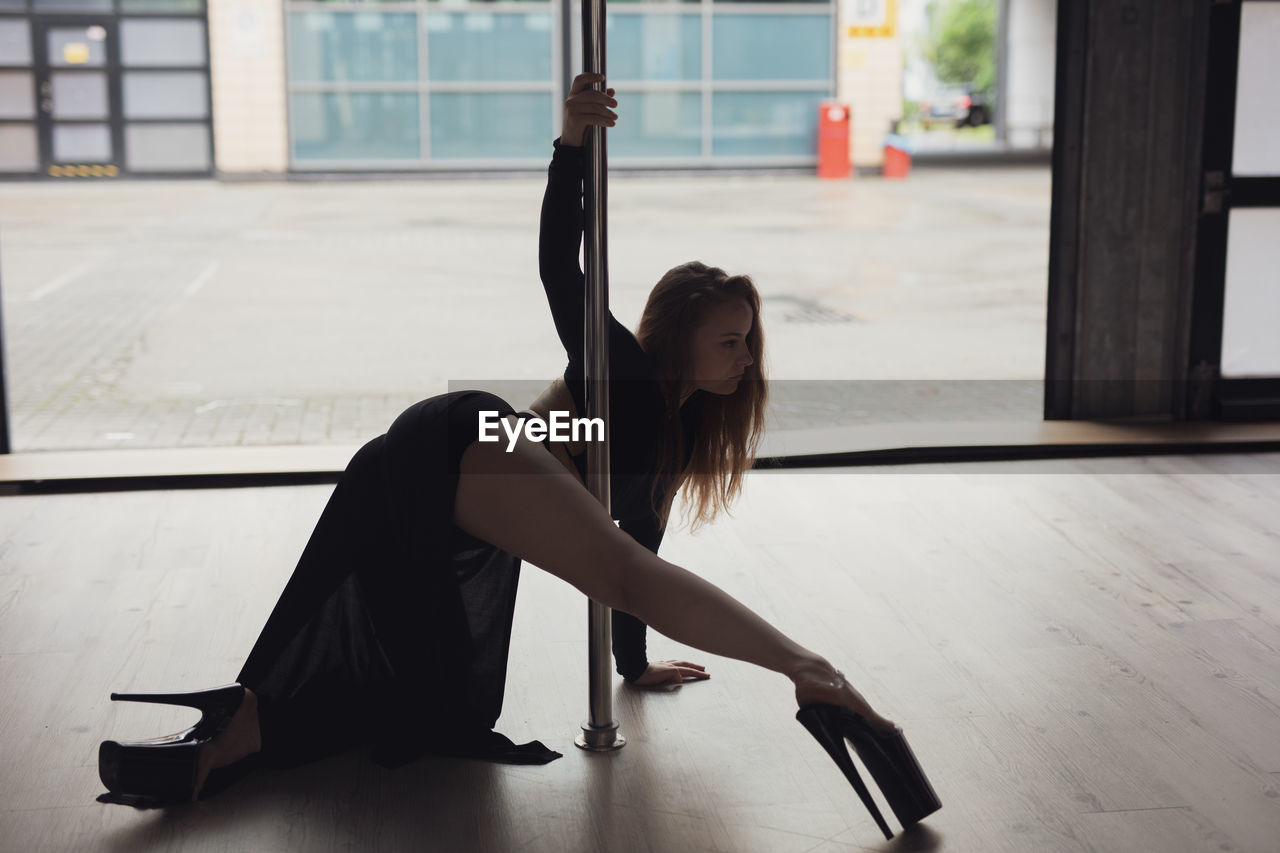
x,y
352,46
18,151
659,124
754,123
17,95
165,94
1257,95
1251,301
161,42
72,47
82,143
771,47
355,126
71,5
654,47
489,46
498,124
15,42
162,6
166,147
79,94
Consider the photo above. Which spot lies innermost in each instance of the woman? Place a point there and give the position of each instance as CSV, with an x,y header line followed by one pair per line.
x,y
661,431
394,628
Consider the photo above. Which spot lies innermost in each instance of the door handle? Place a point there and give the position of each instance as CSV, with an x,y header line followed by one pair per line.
x,y
46,88
46,105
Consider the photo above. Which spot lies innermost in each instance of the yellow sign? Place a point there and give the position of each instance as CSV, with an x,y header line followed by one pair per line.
x,y
75,53
83,170
871,18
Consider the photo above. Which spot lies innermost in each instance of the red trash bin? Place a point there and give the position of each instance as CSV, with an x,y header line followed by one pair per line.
x,y
897,162
833,140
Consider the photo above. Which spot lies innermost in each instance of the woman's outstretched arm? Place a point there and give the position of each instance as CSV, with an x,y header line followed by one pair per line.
x,y
525,503
560,226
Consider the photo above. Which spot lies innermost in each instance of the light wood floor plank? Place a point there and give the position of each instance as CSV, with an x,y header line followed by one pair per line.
x,y
1083,653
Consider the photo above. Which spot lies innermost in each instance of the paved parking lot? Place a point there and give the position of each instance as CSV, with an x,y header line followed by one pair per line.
x,y
160,314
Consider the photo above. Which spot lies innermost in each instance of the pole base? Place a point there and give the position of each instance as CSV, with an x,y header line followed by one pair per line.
x,y
600,738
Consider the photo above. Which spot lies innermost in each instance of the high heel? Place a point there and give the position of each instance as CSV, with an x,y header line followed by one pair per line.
x,y
887,756
164,770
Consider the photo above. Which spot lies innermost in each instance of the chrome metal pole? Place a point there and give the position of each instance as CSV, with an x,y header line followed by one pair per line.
x,y
600,731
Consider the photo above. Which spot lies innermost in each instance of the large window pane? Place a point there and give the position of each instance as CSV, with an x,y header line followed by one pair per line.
x,y
161,6
80,94
1258,96
771,47
1251,301
346,46
659,124
82,143
77,47
71,5
654,47
355,126
165,94
166,147
15,42
578,7
18,150
17,97
745,123
496,124
489,46
161,42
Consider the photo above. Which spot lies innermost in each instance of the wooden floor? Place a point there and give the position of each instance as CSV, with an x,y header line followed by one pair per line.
x,y
1085,656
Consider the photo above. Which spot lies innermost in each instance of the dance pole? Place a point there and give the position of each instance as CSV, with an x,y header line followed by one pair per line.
x,y
600,731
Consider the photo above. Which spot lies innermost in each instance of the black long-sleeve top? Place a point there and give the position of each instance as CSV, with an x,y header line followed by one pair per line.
x,y
637,411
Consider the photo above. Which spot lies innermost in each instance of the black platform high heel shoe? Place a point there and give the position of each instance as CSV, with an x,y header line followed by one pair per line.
x,y
887,756
164,770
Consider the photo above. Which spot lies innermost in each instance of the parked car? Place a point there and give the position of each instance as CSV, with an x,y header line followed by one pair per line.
x,y
973,109
956,104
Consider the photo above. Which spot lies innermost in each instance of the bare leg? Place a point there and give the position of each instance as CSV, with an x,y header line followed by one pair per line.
x,y
525,503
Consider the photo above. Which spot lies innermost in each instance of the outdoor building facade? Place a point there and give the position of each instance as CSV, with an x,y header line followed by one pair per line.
x,y
99,88
467,85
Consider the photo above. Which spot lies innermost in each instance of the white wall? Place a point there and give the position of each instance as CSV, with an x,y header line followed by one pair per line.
x,y
1032,30
246,58
869,79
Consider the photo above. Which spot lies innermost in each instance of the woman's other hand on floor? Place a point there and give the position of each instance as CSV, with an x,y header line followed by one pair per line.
x,y
584,107
671,672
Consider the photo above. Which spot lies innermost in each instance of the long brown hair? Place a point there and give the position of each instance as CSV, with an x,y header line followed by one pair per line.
x,y
729,427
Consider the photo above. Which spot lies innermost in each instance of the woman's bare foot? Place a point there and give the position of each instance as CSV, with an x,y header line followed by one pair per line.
x,y
239,739
827,685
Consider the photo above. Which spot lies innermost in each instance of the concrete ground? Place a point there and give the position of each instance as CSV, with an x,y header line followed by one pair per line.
x,y
196,313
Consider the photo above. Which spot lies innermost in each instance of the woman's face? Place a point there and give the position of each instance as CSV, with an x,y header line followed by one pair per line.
x,y
719,353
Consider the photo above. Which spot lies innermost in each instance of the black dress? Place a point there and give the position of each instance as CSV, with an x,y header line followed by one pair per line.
x,y
395,626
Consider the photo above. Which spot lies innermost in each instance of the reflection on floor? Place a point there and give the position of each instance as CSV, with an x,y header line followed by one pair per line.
x,y
1082,653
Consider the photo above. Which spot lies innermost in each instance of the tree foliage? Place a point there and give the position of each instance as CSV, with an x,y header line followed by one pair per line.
x,y
960,42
